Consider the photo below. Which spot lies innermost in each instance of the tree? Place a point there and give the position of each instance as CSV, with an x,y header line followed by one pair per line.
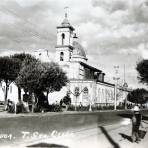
x,y
138,96
29,75
28,78
36,77
53,78
21,57
9,69
142,68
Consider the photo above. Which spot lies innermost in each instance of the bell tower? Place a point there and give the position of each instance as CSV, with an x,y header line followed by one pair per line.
x,y
64,47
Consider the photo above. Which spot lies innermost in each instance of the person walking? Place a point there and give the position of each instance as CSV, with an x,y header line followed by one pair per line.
x,y
136,123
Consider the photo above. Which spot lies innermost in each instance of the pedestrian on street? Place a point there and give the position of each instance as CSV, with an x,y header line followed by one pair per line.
x,y
136,123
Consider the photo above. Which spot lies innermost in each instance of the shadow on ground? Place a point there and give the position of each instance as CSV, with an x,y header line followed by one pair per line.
x,y
129,115
129,138
114,144
46,145
145,118
125,115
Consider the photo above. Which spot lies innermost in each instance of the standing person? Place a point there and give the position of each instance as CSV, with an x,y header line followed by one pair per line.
x,y
136,123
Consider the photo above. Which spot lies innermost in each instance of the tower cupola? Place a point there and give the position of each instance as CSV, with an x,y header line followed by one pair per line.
x,y
64,47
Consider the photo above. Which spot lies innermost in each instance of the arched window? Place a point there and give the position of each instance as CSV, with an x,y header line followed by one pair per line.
x,y
76,91
70,55
85,96
63,38
62,56
85,90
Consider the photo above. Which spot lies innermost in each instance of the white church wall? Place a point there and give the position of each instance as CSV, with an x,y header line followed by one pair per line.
x,y
81,70
12,92
57,95
104,93
66,56
2,91
43,55
76,71
85,99
73,70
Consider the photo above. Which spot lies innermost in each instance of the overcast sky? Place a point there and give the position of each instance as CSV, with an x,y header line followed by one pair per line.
x,y
112,32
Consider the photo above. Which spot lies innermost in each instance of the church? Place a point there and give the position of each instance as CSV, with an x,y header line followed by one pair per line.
x,y
87,85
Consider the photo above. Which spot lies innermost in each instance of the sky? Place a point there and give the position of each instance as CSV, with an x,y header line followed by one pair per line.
x,y
112,32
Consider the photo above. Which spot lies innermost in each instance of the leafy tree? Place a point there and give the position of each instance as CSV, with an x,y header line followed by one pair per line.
x,y
142,68
29,75
21,57
28,78
53,78
138,96
9,69
36,77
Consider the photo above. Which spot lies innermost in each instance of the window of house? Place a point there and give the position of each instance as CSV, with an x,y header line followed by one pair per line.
x,y
61,56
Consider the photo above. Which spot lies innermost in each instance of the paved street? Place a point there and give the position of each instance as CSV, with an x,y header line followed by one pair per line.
x,y
97,133
109,136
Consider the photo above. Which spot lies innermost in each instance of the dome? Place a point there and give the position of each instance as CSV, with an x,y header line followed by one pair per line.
x,y
78,50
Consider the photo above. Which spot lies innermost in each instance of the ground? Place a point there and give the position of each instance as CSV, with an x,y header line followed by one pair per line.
x,y
76,130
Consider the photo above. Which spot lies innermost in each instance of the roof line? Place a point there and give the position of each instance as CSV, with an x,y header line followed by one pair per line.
x,y
72,28
106,83
90,67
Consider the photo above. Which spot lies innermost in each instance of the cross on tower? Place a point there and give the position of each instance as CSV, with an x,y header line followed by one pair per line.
x,y
66,11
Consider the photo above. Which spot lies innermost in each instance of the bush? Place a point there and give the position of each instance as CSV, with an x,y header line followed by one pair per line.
x,y
37,109
120,107
71,108
21,108
11,109
78,108
54,108
83,108
58,108
93,107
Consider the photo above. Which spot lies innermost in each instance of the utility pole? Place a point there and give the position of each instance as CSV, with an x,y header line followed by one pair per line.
x,y
76,93
116,78
125,86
